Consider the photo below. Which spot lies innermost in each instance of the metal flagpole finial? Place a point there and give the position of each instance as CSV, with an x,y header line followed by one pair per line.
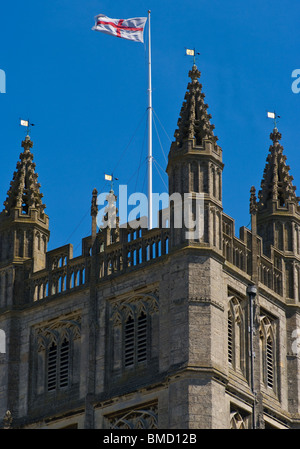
x,y
27,124
274,116
192,52
111,179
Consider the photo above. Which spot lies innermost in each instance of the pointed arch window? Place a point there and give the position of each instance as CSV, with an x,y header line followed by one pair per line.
x,y
135,340
55,358
58,365
239,418
132,338
268,351
237,421
236,334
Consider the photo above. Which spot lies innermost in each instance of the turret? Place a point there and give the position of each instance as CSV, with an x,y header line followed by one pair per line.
x,y
278,211
24,227
195,166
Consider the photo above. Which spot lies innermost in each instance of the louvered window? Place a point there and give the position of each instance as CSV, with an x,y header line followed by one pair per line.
x,y
129,342
268,344
270,363
64,364
142,338
58,366
52,367
230,338
135,340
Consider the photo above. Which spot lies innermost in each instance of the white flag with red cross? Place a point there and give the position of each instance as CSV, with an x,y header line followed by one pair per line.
x,y
132,29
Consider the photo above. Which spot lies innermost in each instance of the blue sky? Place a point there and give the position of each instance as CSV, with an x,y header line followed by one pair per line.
x,y
86,93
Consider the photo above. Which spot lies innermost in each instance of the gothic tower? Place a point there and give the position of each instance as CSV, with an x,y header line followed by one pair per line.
x,y
194,289
195,168
24,232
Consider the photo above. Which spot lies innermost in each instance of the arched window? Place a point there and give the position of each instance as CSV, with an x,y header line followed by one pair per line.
x,y
237,421
135,335
267,352
236,334
135,340
58,365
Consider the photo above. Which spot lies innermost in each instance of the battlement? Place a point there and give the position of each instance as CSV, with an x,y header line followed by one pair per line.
x,y
64,273
137,247
276,271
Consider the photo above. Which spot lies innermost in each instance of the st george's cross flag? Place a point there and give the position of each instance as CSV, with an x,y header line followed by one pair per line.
x,y
132,29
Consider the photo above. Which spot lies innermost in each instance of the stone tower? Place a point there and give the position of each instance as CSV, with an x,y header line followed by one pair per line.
x,y
195,296
155,329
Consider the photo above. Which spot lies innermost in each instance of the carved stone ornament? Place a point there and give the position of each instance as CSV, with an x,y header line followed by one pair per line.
x,y
7,420
70,328
147,303
136,419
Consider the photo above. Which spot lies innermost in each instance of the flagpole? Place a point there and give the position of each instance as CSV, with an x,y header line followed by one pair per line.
x,y
149,128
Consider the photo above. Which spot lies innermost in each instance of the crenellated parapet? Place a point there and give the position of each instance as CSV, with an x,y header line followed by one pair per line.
x,y
64,274
275,270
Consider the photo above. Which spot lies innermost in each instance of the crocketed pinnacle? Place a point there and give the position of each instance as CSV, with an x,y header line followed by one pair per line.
x,y
276,184
194,121
253,202
94,207
24,192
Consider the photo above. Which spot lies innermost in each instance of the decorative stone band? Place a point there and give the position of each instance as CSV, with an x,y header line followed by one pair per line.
x,y
205,301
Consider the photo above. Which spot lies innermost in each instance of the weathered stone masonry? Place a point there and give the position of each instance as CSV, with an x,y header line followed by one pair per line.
x,y
148,329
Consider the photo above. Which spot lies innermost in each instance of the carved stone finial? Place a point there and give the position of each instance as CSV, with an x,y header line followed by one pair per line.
x,y
275,136
94,208
7,420
194,74
110,218
194,121
27,143
253,202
